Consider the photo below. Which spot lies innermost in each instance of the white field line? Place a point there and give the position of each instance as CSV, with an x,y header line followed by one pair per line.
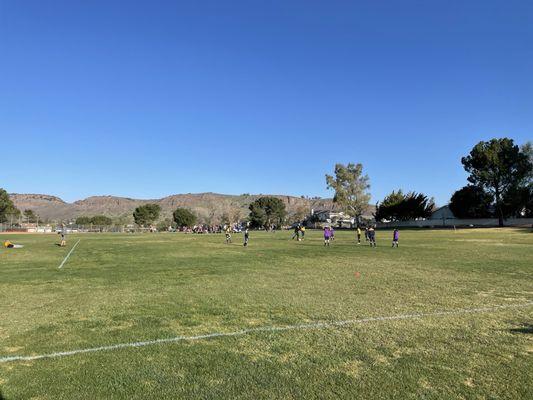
x,y
314,325
68,255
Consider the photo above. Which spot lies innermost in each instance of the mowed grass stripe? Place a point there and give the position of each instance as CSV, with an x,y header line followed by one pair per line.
x,y
316,325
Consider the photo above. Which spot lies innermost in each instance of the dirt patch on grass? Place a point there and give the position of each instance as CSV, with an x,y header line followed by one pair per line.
x,y
13,349
352,368
469,382
424,383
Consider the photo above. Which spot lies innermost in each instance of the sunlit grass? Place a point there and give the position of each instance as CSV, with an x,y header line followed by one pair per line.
x,y
123,288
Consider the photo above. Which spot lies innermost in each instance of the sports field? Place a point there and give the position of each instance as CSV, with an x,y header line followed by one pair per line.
x,y
446,315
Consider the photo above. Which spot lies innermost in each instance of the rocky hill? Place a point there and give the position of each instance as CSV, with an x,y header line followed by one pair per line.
x,y
208,206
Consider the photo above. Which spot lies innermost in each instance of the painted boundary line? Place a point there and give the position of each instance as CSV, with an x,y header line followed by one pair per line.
x,y
315,325
68,255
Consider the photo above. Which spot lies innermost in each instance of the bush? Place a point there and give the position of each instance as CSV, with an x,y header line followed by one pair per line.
x,y
183,217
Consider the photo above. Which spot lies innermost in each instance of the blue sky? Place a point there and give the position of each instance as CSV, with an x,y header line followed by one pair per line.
x,y
150,98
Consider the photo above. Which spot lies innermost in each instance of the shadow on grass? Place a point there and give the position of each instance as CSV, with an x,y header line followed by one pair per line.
x,y
526,329
2,397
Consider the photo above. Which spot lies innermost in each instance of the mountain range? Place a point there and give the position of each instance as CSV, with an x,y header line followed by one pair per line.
x,y
207,206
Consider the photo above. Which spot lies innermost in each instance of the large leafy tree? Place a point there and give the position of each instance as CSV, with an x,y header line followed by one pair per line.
x,y
183,217
388,209
471,202
83,221
351,188
418,205
267,211
7,208
146,214
498,166
101,220
398,206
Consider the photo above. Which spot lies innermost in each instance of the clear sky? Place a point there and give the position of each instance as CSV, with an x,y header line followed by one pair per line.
x,y
150,98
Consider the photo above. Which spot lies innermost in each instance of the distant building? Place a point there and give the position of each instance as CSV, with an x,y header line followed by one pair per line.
x,y
35,228
331,217
323,217
442,213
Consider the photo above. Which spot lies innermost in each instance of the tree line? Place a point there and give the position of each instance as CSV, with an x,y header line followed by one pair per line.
x,y
265,212
500,181
97,220
500,185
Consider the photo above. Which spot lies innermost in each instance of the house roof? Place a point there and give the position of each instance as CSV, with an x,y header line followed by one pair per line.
x,y
440,208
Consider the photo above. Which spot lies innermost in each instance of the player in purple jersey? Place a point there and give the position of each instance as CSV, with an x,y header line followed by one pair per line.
x,y
327,235
395,238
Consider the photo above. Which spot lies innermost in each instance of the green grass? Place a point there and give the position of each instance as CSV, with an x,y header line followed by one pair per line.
x,y
126,288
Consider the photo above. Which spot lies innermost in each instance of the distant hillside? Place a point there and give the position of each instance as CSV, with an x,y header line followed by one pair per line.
x,y
208,206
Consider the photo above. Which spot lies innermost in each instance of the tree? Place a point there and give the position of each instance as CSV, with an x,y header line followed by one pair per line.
x,y
183,217
418,205
7,208
101,220
124,219
471,202
267,211
404,207
527,150
146,214
388,209
30,216
518,202
498,166
83,221
351,188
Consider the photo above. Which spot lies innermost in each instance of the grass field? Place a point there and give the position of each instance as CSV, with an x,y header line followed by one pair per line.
x,y
128,288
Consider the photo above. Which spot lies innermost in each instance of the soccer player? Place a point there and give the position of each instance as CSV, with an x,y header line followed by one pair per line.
x,y
302,232
9,245
327,235
296,234
395,238
358,234
332,233
63,238
246,237
228,234
372,236
366,233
